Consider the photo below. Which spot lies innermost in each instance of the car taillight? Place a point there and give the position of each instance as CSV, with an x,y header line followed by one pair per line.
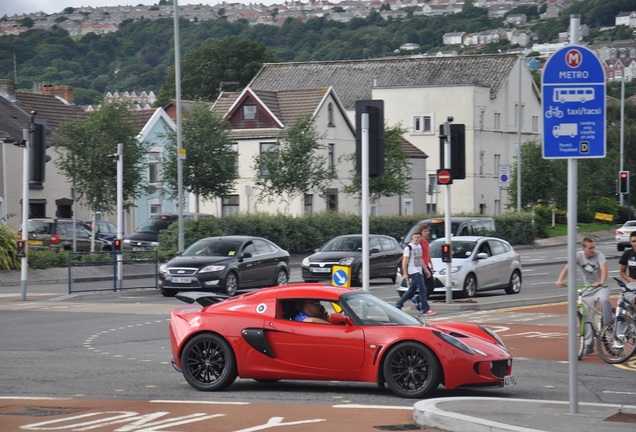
x,y
55,239
618,232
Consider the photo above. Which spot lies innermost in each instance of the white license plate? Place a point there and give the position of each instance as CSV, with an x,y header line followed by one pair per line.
x,y
181,279
509,380
321,270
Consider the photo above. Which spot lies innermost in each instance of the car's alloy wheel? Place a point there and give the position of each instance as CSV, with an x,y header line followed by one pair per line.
x,y
208,363
514,285
231,284
281,278
411,370
470,286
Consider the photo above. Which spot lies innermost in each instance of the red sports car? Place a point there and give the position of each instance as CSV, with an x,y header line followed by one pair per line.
x,y
258,335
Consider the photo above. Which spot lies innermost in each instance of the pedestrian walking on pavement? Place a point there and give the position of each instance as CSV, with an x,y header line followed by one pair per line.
x,y
412,265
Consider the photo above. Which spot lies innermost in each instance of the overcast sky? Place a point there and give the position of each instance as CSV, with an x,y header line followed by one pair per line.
x,y
12,7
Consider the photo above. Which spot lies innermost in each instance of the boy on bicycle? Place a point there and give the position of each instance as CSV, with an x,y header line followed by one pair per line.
x,y
593,267
628,266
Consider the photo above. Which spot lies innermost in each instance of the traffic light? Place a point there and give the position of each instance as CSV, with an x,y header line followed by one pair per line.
x,y
117,245
21,248
458,150
375,109
38,145
447,252
623,182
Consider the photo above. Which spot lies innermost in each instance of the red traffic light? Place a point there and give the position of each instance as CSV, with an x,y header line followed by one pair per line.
x,y
21,248
117,245
447,252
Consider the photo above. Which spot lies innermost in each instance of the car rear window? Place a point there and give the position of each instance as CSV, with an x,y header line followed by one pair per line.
x,y
39,227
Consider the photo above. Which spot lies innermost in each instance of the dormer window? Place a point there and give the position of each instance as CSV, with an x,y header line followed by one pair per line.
x,y
249,112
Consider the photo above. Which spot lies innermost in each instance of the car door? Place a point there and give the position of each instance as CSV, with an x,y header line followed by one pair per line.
x,y
248,265
500,264
266,263
484,267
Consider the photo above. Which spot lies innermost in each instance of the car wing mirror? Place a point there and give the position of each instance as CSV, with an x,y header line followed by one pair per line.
x,y
247,255
374,250
338,318
482,255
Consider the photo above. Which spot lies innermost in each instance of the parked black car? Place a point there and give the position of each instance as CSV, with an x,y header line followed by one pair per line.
x,y
57,234
104,230
225,264
346,250
146,237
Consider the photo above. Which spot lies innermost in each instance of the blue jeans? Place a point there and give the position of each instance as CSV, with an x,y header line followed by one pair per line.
x,y
416,283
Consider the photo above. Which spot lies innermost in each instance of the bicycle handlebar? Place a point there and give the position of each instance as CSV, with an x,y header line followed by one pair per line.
x,y
624,285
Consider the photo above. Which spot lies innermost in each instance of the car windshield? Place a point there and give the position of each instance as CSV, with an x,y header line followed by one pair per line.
x,y
370,310
154,226
37,227
461,249
343,244
215,248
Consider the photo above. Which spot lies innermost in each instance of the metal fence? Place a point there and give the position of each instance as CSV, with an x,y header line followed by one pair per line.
x,y
98,272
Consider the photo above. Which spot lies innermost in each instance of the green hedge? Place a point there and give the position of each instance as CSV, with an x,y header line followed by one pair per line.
x,y
301,235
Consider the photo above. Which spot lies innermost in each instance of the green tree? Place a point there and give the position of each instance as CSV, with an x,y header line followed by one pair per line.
x,y
210,168
294,166
203,69
85,147
397,169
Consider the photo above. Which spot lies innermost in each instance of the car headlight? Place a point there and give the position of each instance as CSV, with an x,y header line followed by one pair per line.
x,y
305,262
346,261
154,244
126,241
454,342
454,269
212,268
163,269
494,335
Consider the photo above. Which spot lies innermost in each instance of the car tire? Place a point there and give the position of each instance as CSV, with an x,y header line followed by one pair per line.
x,y
231,284
470,286
168,293
514,285
411,370
208,363
281,278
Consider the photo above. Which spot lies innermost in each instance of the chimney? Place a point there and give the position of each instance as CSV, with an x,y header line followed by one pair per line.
x,y
65,92
7,89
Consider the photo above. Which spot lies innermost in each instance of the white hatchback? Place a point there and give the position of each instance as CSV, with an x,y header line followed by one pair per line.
x,y
623,233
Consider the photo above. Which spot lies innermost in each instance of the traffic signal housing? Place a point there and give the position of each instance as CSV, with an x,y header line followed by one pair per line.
x,y
21,248
38,145
623,182
375,109
447,252
117,245
458,150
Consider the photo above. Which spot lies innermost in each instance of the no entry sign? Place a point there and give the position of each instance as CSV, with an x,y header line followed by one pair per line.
x,y
444,177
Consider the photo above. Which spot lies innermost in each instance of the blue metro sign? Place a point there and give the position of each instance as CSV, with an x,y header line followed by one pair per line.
x,y
573,100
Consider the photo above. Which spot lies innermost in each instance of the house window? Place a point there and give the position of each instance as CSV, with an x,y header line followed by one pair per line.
x,y
230,205
330,122
497,162
407,206
332,199
234,149
154,209
481,118
535,123
267,147
497,121
433,187
154,167
422,123
249,112
481,162
331,160
308,202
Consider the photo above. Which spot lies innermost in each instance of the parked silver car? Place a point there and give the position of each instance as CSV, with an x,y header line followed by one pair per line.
x,y
623,233
478,264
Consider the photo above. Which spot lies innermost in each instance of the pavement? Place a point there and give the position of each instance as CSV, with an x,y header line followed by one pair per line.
x,y
475,414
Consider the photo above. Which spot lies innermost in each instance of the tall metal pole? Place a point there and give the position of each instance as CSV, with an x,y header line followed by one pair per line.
x,y
180,149
364,118
622,138
120,211
447,210
26,135
575,23
519,118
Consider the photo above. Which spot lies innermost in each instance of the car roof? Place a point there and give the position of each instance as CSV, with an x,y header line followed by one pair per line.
x,y
468,238
233,237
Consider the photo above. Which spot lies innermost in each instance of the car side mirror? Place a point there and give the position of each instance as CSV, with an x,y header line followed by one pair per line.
x,y
247,255
482,255
374,250
338,318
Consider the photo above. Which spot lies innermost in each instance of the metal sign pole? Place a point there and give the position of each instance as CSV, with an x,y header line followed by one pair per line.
x,y
447,210
365,201
26,135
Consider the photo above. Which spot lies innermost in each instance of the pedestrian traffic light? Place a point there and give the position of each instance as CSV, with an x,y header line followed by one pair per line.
x,y
117,245
21,248
447,252
37,150
623,182
458,150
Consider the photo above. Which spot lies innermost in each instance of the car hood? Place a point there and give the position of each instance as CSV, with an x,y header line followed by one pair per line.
x,y
198,261
332,256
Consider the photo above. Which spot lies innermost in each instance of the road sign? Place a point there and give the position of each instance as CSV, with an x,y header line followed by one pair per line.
x,y
444,177
341,276
573,99
504,176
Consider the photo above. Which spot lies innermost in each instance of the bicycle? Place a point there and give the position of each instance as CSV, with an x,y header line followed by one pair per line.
x,y
581,312
616,341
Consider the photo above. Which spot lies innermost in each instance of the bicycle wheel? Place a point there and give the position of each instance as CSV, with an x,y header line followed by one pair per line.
x,y
581,335
617,346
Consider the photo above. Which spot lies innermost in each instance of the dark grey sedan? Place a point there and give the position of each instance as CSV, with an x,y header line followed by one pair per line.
x,y
225,264
346,250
